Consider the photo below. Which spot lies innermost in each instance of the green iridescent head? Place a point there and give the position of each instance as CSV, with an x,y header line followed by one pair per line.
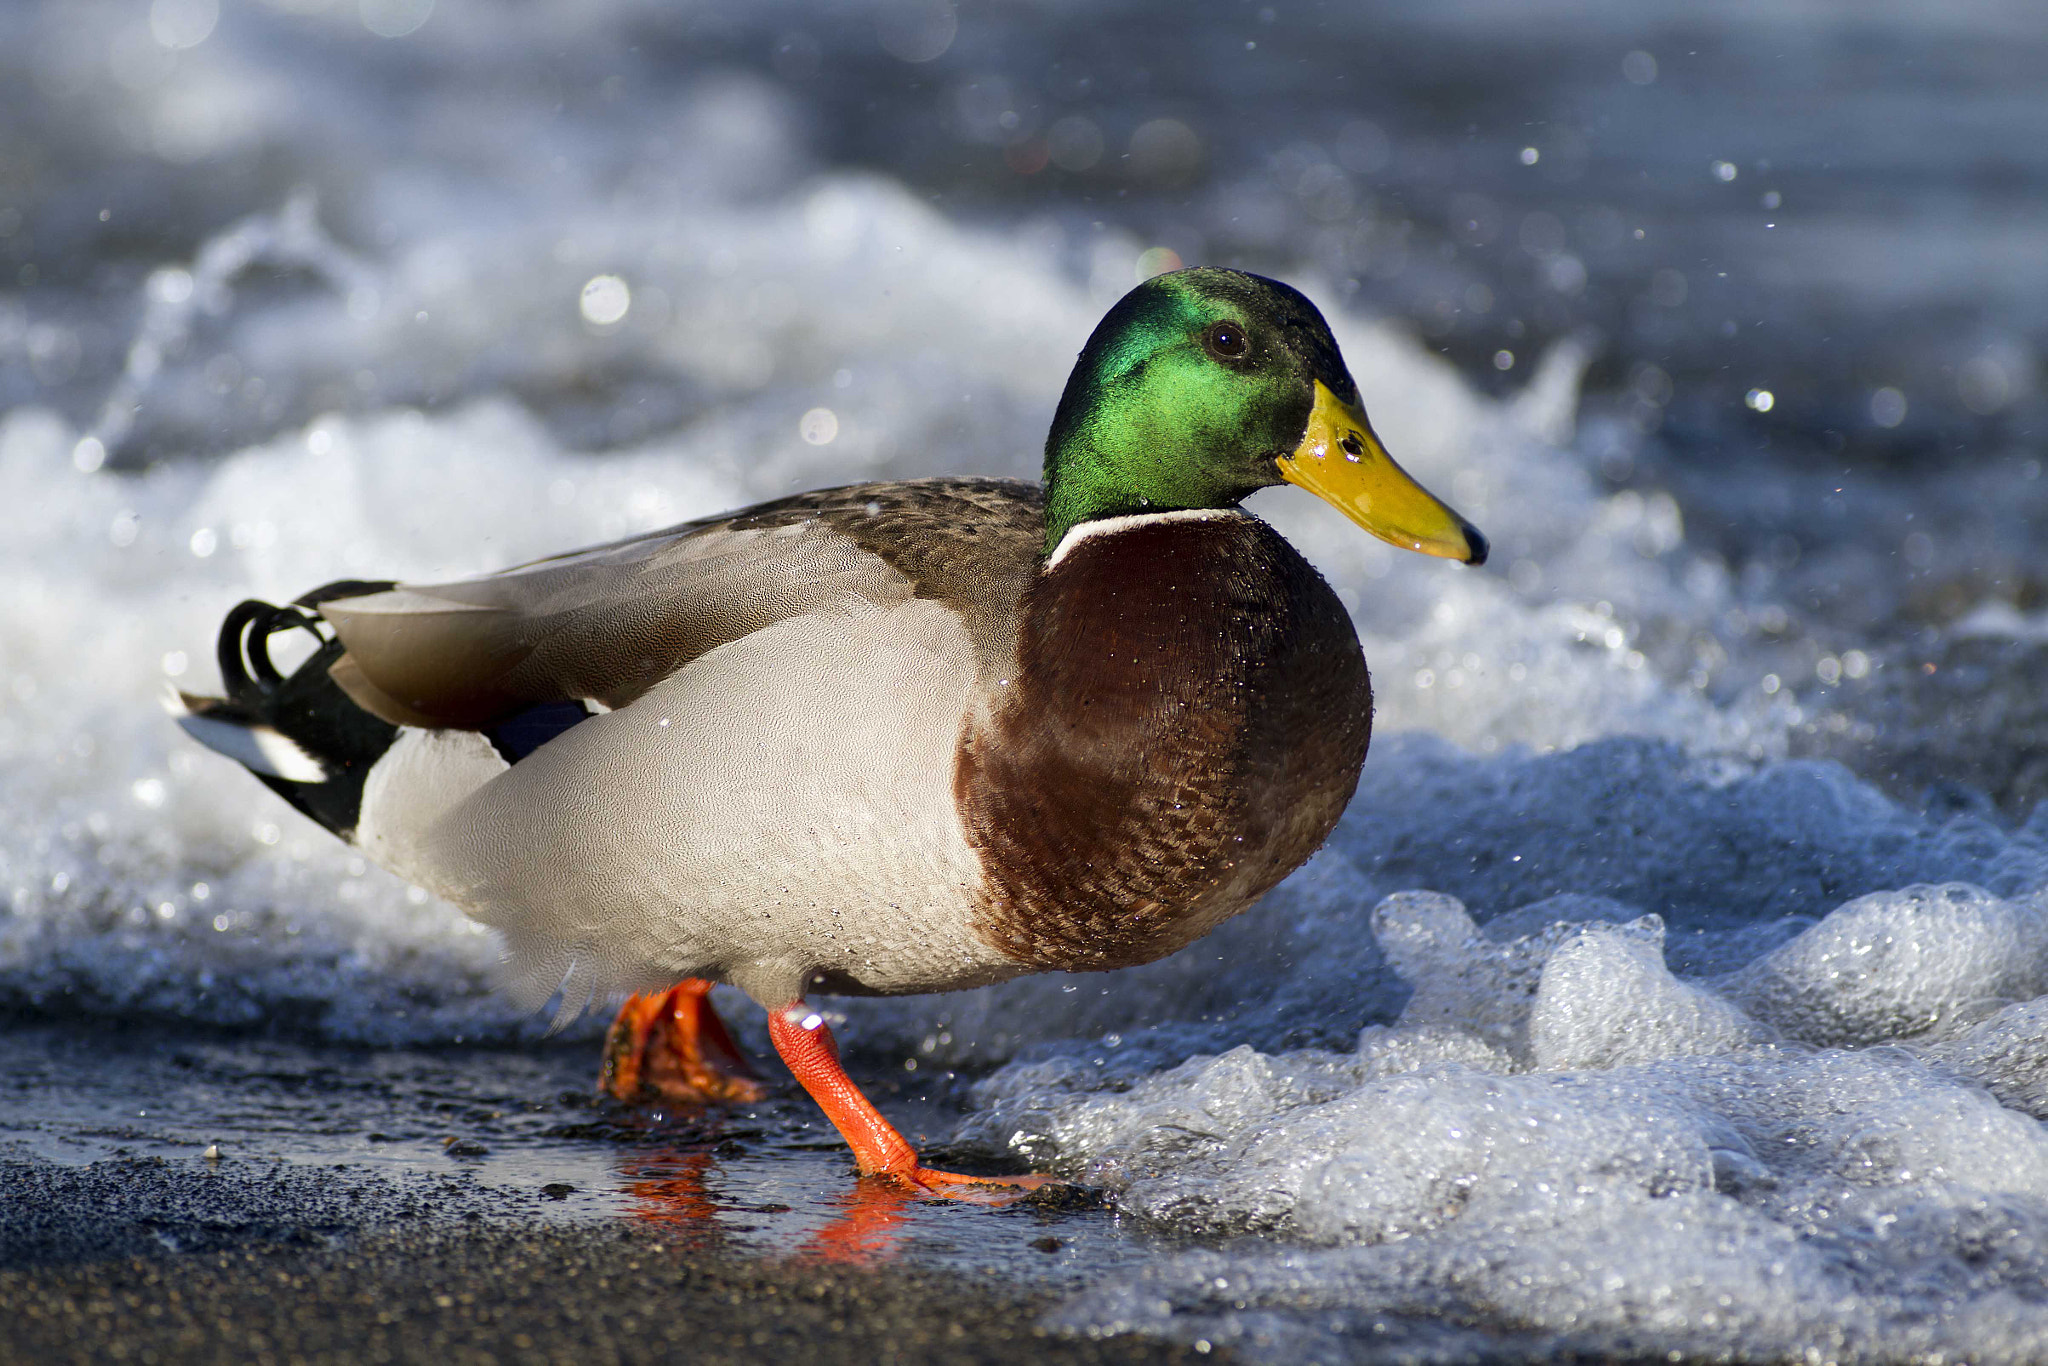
x,y
1203,386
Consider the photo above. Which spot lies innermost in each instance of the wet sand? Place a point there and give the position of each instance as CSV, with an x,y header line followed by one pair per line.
x,y
473,1205
588,1295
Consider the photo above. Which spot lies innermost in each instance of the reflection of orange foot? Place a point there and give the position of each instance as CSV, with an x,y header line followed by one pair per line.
x,y
805,1042
670,1189
673,1047
865,1231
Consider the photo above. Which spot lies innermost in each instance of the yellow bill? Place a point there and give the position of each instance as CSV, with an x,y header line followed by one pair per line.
x,y
1341,462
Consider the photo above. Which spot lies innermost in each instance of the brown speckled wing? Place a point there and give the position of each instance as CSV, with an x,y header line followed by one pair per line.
x,y
610,622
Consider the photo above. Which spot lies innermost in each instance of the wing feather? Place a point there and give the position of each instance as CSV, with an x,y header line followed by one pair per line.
x,y
608,623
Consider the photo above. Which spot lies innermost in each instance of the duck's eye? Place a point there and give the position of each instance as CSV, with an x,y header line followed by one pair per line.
x,y
1226,341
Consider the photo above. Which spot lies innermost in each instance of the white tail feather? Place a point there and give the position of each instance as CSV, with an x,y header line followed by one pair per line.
x,y
256,747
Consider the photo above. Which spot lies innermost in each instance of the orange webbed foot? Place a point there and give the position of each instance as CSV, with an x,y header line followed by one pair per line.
x,y
673,1047
881,1154
979,1190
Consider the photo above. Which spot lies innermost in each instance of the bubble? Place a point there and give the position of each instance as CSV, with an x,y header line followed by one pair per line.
x,y
985,109
180,24
1887,407
1166,152
1503,360
605,300
395,18
1565,273
1530,156
1760,400
1157,261
916,30
1074,143
1473,219
1651,383
89,454
1983,385
1725,171
819,426
1028,157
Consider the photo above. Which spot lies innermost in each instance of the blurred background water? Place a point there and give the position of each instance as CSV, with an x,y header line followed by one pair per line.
x,y
1726,323
1805,242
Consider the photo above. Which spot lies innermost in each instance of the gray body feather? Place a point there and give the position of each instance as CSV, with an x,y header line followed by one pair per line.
x,y
769,798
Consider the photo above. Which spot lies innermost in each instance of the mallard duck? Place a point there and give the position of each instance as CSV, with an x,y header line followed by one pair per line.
x,y
889,738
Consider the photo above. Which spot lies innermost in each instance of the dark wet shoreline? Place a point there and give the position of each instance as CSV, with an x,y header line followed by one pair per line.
x,y
470,1205
450,1294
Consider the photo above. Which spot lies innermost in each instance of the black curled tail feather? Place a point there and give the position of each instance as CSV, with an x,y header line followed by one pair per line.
x,y
306,708
243,650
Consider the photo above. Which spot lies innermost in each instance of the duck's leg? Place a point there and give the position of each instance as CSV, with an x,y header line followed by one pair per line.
x,y
805,1042
672,1046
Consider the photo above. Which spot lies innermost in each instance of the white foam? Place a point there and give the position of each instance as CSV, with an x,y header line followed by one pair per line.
x,y
1632,1160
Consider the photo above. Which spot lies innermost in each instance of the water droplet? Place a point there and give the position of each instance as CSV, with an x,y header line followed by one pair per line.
x,y
1157,261
819,427
183,23
1074,143
1887,407
395,18
605,300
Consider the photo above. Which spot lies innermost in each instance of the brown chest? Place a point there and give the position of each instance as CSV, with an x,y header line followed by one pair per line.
x,y
1186,723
